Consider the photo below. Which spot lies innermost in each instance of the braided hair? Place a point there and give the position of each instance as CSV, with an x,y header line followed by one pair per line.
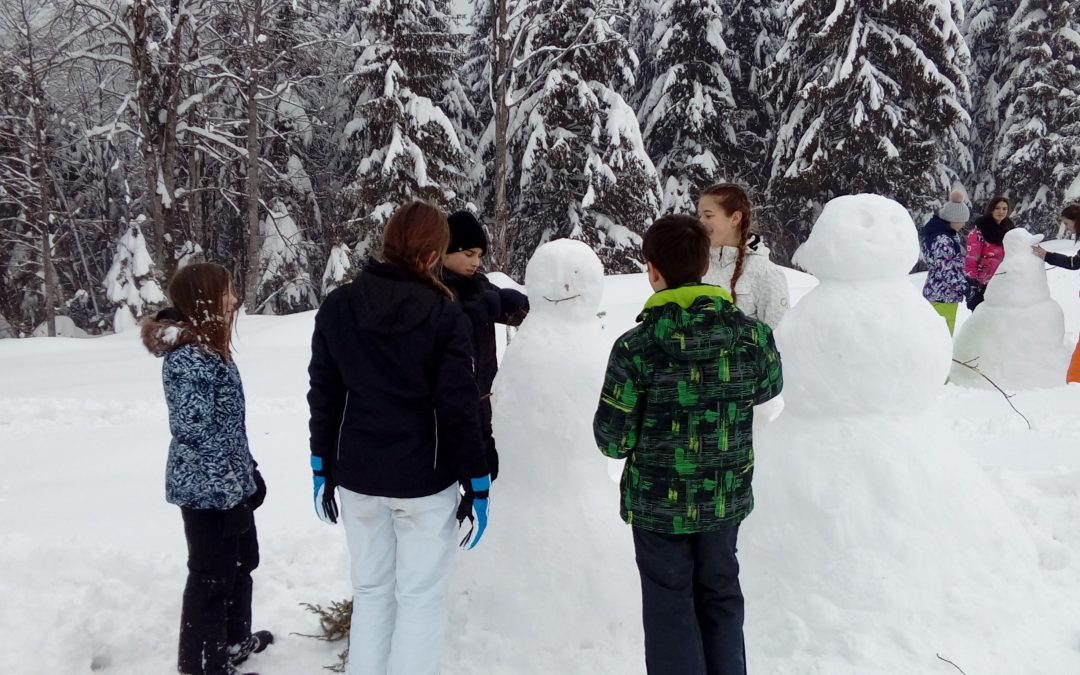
x,y
731,198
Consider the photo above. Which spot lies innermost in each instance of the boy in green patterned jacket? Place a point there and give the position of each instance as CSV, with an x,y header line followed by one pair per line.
x,y
677,404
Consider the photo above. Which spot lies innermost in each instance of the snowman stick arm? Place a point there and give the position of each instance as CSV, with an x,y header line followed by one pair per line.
x,y
1008,397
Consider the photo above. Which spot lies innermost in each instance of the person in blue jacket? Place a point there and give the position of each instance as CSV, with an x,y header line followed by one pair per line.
x,y
943,251
395,427
210,473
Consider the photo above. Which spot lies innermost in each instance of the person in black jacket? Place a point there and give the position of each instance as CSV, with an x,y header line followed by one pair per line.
x,y
1070,218
395,424
485,304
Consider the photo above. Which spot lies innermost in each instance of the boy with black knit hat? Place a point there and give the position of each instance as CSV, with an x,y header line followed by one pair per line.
x,y
485,304
678,403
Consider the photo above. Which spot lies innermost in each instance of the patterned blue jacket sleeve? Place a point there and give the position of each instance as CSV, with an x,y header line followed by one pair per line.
x,y
189,392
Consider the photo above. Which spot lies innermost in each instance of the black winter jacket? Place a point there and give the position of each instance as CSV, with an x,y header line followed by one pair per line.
x,y
486,304
394,407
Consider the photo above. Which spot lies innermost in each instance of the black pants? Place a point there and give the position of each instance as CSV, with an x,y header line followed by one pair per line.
x,y
223,549
692,604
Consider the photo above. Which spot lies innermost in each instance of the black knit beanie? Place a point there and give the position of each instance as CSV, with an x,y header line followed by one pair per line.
x,y
465,233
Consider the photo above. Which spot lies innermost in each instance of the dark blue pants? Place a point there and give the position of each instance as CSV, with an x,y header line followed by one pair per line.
x,y
692,604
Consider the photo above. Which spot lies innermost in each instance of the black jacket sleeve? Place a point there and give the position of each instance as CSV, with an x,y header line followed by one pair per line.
x,y
326,397
457,400
1069,262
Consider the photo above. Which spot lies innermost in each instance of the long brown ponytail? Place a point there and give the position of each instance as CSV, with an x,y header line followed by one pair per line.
x,y
732,198
415,231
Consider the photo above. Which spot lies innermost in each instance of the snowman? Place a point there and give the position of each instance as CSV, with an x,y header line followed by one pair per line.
x,y
1016,336
875,541
553,494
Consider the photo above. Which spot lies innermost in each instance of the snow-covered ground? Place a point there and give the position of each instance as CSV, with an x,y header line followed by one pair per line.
x,y
92,558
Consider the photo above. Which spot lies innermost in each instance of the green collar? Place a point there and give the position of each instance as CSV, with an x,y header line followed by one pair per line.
x,y
685,295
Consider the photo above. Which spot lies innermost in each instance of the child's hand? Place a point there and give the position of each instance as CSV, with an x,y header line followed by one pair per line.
x,y
1039,251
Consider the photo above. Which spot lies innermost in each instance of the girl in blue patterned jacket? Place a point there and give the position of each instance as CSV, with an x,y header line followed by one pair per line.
x,y
210,473
939,240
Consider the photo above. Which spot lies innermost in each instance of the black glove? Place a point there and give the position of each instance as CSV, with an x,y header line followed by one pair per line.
x,y
256,500
515,305
238,519
975,292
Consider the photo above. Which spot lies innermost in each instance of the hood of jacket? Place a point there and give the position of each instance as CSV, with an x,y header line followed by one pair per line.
x,y
389,300
168,330
934,227
692,322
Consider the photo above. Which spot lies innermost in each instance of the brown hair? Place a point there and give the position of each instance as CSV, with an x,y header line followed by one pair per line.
x,y
1072,212
415,231
197,291
678,247
733,198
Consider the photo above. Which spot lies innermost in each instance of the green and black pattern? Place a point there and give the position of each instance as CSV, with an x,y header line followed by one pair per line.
x,y
678,405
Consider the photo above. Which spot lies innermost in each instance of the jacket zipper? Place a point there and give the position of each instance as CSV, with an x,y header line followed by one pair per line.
x,y
435,414
341,425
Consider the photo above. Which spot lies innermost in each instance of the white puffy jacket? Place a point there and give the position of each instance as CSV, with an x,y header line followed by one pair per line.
x,y
762,291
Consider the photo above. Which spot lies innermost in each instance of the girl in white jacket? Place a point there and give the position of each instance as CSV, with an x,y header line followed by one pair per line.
x,y
738,260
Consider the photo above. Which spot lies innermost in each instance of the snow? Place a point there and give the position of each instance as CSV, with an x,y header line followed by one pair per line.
x,y
879,539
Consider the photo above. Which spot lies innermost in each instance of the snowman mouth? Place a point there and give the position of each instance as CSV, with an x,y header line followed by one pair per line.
x,y
558,300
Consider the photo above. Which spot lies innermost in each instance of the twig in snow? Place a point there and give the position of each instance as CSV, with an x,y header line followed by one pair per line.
x,y
1008,397
950,663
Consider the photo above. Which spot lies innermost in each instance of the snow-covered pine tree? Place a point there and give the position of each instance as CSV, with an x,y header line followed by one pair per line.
x,y
1038,146
285,284
130,284
873,98
581,169
403,84
689,116
985,30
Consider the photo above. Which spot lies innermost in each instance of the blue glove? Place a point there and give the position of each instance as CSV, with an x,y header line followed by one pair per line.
x,y
474,506
325,506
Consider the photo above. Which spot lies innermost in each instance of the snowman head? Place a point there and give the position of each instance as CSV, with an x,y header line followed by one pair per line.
x,y
860,237
565,278
1020,279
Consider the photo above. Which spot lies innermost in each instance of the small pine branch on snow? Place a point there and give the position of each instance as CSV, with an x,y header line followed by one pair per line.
x,y
335,622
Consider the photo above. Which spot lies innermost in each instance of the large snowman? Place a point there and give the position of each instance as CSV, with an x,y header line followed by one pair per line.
x,y
554,499
1016,336
865,508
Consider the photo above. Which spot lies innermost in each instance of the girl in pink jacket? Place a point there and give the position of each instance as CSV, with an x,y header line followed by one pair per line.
x,y
984,249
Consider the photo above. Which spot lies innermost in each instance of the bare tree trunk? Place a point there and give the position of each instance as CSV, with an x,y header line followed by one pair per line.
x,y
50,283
254,238
500,75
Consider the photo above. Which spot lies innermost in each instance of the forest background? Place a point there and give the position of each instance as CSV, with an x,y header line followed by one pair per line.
x,y
277,136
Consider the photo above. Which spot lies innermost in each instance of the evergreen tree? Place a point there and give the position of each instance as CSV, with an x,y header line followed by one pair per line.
x,y
689,116
130,284
285,285
873,98
1037,155
403,84
986,33
580,167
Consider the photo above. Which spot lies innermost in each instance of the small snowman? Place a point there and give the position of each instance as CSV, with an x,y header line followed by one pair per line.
x,y
1016,336
553,493
874,537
